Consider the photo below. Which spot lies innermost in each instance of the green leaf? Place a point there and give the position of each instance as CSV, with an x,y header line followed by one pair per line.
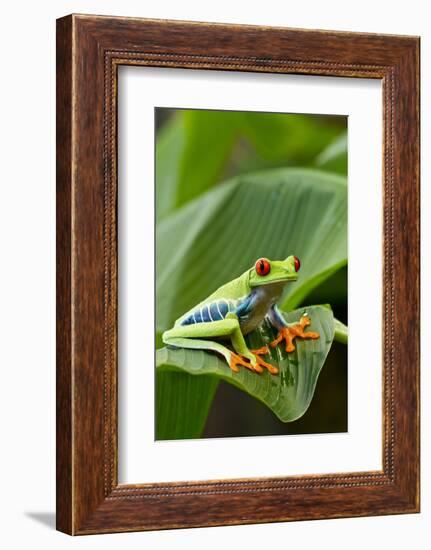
x,y
197,148
191,151
341,332
169,151
158,340
334,157
218,236
289,393
182,404
292,138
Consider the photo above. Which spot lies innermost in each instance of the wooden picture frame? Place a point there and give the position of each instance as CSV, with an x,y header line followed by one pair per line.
x,y
89,51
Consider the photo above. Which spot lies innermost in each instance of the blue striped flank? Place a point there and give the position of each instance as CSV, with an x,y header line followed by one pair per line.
x,y
223,307
205,313
215,311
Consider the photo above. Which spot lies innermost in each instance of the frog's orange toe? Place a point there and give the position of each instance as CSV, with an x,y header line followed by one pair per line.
x,y
288,334
236,360
260,362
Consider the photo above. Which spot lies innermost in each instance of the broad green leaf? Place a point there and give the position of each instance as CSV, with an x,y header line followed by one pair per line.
x,y
289,393
292,138
209,138
191,152
274,213
182,404
197,148
341,332
158,340
169,151
334,157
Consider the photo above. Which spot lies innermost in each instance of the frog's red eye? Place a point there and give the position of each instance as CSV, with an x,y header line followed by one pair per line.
x,y
297,263
262,266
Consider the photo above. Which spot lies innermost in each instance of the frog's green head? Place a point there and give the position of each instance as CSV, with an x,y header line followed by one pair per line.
x,y
267,271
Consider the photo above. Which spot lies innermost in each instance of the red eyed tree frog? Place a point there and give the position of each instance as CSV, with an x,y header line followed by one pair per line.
x,y
236,309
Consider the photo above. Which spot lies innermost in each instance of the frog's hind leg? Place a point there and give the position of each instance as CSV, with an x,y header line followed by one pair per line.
x,y
200,335
232,359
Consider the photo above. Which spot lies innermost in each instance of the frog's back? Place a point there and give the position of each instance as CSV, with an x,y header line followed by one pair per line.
x,y
219,303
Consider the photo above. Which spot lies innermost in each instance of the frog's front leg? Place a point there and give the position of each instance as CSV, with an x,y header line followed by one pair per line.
x,y
287,332
198,336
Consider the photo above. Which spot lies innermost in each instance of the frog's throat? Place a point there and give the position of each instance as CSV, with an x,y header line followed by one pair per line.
x,y
270,292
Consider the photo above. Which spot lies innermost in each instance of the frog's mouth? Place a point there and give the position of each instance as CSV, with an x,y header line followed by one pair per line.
x,y
289,278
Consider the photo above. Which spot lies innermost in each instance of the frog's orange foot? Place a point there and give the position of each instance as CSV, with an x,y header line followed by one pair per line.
x,y
236,360
260,362
288,334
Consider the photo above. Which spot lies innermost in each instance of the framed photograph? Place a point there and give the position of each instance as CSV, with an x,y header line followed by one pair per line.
x,y
237,274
